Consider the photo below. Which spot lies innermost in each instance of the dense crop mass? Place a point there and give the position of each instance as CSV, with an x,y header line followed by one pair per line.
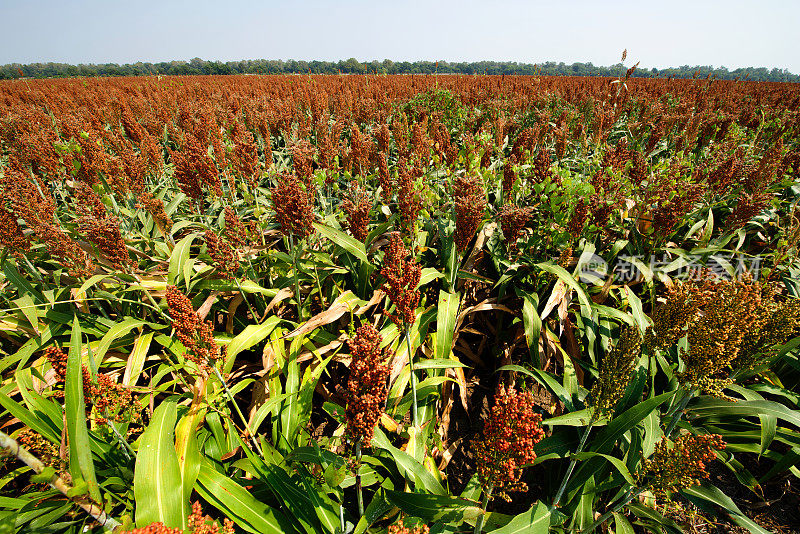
x,y
406,304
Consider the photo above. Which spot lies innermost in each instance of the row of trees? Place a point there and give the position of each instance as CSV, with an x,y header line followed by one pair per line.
x,y
353,66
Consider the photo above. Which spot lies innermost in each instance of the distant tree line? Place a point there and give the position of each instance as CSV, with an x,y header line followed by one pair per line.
x,y
353,66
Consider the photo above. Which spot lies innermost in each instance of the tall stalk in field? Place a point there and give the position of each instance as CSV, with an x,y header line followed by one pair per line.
x,y
293,201
509,435
402,274
366,393
615,373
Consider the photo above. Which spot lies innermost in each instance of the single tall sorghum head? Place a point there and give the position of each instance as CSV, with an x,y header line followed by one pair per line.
x,y
683,464
225,259
196,335
293,201
356,206
541,165
384,178
402,274
303,159
509,435
235,231
366,386
194,168
111,400
509,175
99,227
470,203
615,371
58,361
382,136
408,197
360,148
420,142
44,449
512,220
578,219
244,157
155,207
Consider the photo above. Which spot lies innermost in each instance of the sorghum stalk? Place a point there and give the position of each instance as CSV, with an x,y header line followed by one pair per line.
x,y
573,461
402,275
615,373
677,413
296,279
358,479
414,408
682,466
11,446
484,504
238,411
244,297
630,495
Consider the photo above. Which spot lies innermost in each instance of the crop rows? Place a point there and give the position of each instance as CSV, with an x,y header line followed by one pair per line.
x,y
414,304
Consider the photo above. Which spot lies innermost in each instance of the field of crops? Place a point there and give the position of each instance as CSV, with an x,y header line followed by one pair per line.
x,y
403,304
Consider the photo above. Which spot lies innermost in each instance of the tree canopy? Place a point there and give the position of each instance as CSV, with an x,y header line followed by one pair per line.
x,y
353,66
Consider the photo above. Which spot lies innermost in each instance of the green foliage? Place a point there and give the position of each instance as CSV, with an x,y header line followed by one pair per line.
x,y
256,435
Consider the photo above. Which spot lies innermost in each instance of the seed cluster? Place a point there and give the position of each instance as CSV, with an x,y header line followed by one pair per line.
x,y
509,435
99,227
401,528
226,261
195,334
512,220
356,206
469,197
197,524
578,219
730,325
509,175
155,207
235,232
194,169
110,399
44,449
680,464
244,157
366,386
615,372
28,198
58,361
402,274
11,235
293,201
409,199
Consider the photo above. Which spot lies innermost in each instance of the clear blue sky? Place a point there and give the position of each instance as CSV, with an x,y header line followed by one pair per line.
x,y
659,33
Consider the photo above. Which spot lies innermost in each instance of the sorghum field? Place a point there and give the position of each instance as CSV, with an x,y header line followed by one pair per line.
x,y
414,304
